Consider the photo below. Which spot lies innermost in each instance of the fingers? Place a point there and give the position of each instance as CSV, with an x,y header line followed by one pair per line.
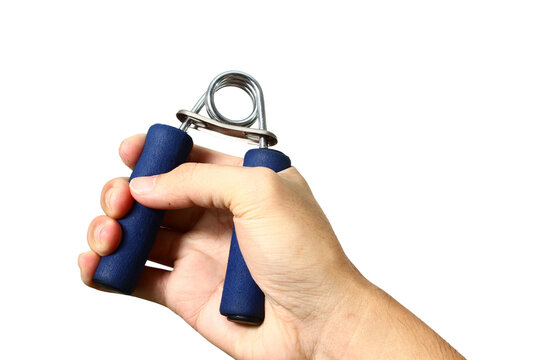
x,y
151,286
104,235
238,189
200,154
116,200
131,149
88,263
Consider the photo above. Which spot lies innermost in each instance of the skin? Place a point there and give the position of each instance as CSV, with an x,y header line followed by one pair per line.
x,y
318,305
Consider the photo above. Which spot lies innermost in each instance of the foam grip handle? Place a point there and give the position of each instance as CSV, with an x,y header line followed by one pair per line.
x,y
165,148
242,300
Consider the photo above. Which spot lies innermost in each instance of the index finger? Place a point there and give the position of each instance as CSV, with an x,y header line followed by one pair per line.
x,y
131,148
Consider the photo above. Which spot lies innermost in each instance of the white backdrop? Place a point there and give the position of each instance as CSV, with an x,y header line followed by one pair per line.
x,y
416,124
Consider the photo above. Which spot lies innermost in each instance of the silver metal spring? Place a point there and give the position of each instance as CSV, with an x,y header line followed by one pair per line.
x,y
244,82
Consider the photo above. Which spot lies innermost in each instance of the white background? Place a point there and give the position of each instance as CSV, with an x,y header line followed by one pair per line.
x,y
416,124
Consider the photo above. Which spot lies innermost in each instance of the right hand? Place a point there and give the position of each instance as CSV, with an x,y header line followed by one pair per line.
x,y
316,300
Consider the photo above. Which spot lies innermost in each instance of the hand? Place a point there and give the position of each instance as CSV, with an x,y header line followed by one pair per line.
x,y
317,303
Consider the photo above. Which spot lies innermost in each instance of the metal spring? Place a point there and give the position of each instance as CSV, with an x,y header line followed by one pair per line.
x,y
244,82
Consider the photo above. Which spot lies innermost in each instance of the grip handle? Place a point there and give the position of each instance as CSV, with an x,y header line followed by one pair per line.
x,y
165,148
242,300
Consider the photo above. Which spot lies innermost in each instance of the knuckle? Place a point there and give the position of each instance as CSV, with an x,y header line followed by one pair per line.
x,y
174,185
267,182
292,174
293,177
185,171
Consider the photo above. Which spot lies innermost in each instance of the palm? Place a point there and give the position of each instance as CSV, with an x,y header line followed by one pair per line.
x,y
199,260
193,290
195,243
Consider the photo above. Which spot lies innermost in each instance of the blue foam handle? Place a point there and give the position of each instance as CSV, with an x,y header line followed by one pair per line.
x,y
165,148
242,300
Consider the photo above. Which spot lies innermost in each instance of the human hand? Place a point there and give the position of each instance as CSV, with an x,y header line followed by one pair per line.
x,y
317,303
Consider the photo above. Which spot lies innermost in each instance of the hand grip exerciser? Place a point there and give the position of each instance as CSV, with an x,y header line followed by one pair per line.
x,y
242,300
167,147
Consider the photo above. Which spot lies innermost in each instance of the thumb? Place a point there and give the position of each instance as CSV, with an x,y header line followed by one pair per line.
x,y
236,188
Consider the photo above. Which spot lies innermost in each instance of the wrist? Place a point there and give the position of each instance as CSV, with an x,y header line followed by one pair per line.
x,y
366,322
334,332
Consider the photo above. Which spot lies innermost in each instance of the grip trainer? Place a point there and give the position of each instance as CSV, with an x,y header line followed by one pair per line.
x,y
167,147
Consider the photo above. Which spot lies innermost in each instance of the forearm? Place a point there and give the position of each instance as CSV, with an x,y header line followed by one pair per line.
x,y
367,323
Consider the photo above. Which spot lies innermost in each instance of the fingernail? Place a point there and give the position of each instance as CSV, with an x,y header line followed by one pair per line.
x,y
121,149
109,197
98,233
143,184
